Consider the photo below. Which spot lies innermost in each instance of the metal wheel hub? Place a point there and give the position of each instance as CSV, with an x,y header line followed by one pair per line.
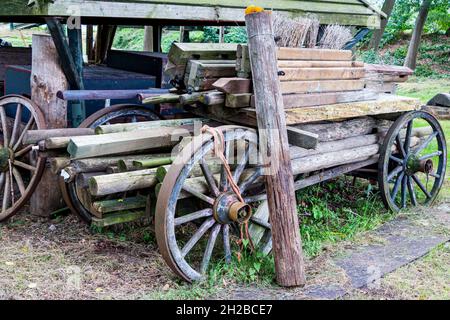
x,y
411,165
228,209
6,154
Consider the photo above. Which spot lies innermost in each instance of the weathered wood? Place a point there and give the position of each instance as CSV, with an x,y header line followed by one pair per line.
x,y
117,218
292,101
212,98
319,64
151,163
34,136
301,138
180,53
125,127
121,182
54,143
127,164
338,130
233,85
107,206
164,98
296,74
47,78
288,87
287,247
115,143
389,69
239,100
58,163
313,54
384,104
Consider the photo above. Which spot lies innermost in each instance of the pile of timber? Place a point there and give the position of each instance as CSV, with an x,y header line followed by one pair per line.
x,y
219,76
385,78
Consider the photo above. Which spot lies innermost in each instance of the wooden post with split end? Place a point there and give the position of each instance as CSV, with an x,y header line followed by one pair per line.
x,y
287,248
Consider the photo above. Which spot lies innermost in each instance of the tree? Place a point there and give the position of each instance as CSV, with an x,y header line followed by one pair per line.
x,y
413,49
387,8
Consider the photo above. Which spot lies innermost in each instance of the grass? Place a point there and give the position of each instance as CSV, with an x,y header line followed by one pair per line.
x,y
423,89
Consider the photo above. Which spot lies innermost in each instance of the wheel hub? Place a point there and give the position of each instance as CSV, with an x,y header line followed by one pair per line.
x,y
412,165
227,209
6,154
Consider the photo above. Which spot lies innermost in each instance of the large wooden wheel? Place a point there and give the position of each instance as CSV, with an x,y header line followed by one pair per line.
x,y
20,169
412,172
188,238
77,198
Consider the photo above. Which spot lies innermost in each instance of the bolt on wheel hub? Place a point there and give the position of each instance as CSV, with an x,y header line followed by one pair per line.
x,y
228,209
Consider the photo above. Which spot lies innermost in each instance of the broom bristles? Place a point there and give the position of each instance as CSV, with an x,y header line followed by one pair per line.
x,y
335,37
297,33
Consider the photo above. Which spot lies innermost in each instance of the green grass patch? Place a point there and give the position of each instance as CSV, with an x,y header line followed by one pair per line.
x,y
423,89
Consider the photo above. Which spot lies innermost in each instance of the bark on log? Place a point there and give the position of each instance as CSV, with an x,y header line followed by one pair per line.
x,y
34,136
108,206
126,127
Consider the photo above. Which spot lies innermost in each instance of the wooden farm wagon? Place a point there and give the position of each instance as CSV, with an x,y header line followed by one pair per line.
x,y
199,176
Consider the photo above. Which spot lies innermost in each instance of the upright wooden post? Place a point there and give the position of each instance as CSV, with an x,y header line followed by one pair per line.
x,y
274,146
47,78
148,38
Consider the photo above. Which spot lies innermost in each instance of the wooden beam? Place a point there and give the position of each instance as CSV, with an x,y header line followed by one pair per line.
x,y
68,64
233,85
240,100
301,138
314,54
317,86
47,78
287,247
316,99
295,74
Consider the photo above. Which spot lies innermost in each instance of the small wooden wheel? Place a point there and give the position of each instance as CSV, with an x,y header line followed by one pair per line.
x,y
412,162
20,169
187,239
78,199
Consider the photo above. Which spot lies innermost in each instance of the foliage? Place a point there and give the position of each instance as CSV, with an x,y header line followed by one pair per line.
x,y
129,39
232,34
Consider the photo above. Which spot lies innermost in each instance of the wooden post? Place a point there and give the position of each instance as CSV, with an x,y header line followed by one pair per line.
x,y
287,249
47,78
90,43
157,35
148,39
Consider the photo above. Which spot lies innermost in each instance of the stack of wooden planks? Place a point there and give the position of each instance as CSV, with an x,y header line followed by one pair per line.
x,y
385,78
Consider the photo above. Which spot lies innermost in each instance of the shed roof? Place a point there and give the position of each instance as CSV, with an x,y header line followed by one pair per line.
x,y
188,12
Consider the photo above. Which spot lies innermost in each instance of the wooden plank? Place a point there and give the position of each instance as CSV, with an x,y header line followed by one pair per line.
x,y
287,248
180,53
389,69
316,86
117,218
384,105
314,54
34,136
319,64
240,100
302,138
47,78
295,74
115,143
107,206
233,85
317,99
124,127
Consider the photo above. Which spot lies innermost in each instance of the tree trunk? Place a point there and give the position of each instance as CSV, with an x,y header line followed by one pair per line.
x,y
413,49
387,8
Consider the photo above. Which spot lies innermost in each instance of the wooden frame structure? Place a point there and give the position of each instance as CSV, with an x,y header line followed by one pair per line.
x,y
188,12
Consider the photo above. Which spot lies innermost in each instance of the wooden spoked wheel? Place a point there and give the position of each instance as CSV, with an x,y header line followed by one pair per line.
x,y
77,198
20,168
412,169
190,239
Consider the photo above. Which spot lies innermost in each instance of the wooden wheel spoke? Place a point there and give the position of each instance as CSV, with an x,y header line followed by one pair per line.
x,y
209,248
223,173
4,126
242,162
24,165
199,195
23,151
6,193
403,192
27,127
431,155
19,181
193,216
398,160
425,143
394,172
250,180
409,127
261,223
397,186
17,122
226,242
209,178
197,236
259,197
400,146
435,175
421,186
412,193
